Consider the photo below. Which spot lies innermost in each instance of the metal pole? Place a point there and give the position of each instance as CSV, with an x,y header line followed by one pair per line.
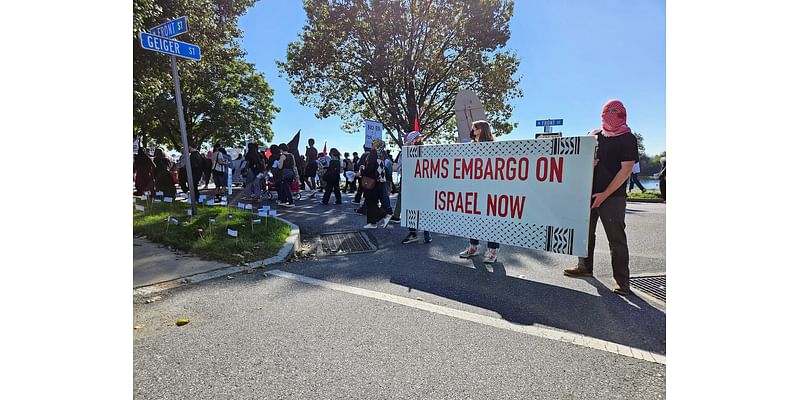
x,y
179,100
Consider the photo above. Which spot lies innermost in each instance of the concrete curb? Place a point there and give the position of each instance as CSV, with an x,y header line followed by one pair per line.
x,y
630,200
290,246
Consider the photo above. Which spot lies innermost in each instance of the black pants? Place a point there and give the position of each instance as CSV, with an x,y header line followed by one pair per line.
x,y
662,185
359,192
612,214
350,187
374,212
332,187
635,180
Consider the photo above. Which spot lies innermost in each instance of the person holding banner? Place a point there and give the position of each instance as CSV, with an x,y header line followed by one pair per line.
x,y
481,132
616,154
411,139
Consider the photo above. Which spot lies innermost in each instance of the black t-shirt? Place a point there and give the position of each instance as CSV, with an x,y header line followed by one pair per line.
x,y
611,151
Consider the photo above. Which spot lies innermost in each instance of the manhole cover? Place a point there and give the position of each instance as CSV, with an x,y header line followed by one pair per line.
x,y
655,286
345,243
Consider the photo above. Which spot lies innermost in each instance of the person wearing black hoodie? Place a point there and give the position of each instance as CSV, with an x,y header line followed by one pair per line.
x,y
332,177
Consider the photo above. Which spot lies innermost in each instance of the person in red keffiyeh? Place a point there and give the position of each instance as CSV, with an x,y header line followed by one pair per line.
x,y
617,152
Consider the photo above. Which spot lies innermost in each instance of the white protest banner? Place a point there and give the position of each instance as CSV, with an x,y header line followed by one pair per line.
x,y
233,233
372,130
527,193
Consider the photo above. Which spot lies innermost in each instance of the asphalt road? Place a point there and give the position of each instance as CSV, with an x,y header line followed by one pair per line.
x,y
258,336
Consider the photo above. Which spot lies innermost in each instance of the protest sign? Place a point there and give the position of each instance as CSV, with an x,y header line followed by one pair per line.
x,y
527,193
372,130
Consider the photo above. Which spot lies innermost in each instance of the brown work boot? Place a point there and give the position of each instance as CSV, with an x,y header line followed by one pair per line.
x,y
578,271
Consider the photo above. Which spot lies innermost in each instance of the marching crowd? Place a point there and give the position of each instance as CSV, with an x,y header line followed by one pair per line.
x,y
369,176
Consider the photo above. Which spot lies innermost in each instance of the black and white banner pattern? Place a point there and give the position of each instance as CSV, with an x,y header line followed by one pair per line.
x,y
530,148
532,236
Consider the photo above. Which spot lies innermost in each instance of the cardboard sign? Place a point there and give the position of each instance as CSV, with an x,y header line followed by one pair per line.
x,y
527,193
372,130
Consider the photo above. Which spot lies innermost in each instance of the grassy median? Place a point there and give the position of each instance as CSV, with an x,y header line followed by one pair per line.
x,y
169,224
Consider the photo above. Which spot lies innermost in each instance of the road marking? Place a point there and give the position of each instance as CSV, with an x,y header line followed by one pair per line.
x,y
533,330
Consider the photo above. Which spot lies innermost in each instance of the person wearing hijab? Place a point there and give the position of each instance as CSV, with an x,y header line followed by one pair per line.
x,y
481,132
144,168
616,154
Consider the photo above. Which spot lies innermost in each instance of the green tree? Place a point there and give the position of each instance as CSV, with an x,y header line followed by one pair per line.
x,y
225,99
382,59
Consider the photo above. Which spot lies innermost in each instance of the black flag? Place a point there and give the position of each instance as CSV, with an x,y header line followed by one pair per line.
x,y
293,146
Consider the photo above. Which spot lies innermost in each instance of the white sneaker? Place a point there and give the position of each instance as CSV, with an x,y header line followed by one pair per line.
x,y
469,252
370,226
386,220
490,256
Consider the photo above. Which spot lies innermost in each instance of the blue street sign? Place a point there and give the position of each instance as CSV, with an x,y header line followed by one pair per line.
x,y
171,29
549,122
169,46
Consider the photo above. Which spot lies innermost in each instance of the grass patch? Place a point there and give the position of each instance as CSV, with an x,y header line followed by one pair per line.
x,y
195,234
645,195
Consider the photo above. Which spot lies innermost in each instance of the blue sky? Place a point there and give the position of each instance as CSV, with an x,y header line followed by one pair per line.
x,y
574,56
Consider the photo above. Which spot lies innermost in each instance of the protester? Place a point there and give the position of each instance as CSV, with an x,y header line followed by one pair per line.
x,y
254,164
386,179
311,167
197,162
349,174
301,166
359,169
481,132
218,169
163,176
208,168
616,154
634,179
332,177
144,169
237,168
322,166
286,174
412,139
662,179
372,184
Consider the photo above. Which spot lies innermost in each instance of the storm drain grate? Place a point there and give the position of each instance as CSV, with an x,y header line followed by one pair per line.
x,y
655,286
345,243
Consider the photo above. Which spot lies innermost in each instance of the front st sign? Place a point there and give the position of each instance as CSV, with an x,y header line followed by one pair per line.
x,y
527,193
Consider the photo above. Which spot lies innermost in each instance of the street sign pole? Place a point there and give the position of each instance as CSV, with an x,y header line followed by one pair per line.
x,y
179,100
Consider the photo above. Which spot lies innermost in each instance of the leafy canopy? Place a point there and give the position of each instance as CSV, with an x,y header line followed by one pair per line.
x,y
382,59
224,98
